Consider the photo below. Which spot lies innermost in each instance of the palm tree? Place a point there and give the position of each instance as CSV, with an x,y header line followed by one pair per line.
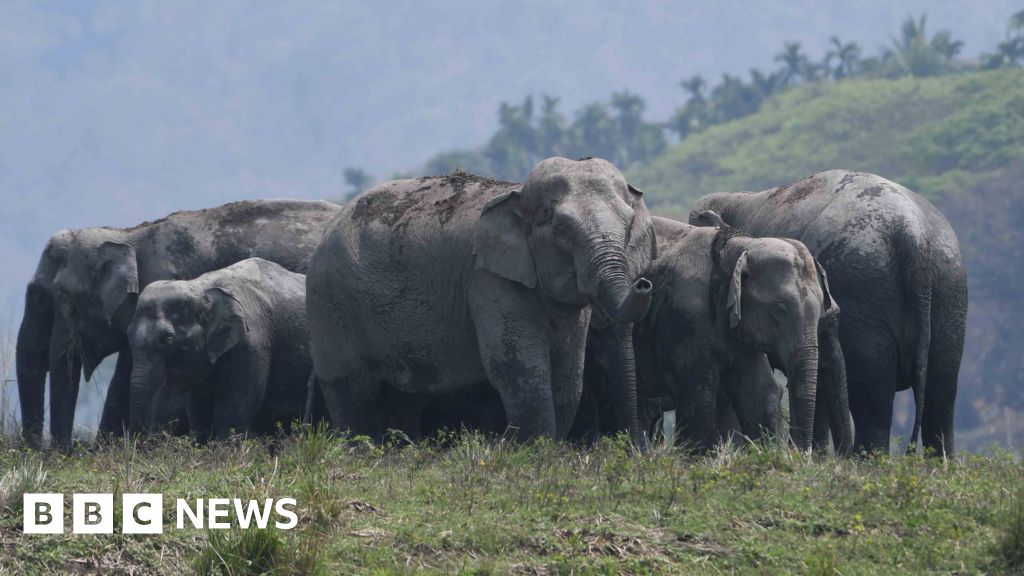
x,y
847,57
794,63
914,54
1010,50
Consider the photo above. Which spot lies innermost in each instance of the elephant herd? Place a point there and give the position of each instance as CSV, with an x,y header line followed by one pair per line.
x,y
558,307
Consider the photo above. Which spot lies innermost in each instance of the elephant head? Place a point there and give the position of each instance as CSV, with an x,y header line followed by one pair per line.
x,y
776,300
178,334
578,234
96,291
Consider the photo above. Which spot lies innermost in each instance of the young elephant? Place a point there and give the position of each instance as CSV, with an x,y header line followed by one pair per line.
x,y
726,305
232,345
896,268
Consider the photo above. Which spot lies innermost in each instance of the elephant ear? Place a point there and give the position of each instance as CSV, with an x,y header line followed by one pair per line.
x,y
501,240
707,218
643,245
735,299
823,281
227,327
119,276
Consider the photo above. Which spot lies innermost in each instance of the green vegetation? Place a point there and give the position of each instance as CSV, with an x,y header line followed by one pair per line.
x,y
935,135
486,506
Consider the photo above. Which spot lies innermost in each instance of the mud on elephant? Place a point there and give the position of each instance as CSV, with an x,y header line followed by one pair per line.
x,y
438,285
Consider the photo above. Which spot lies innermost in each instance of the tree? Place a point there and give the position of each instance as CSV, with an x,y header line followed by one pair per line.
x,y
593,133
693,115
468,160
551,128
357,180
512,151
794,63
912,53
846,57
1010,51
732,99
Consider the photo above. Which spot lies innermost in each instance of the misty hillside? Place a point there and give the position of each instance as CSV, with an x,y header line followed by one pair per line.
x,y
958,140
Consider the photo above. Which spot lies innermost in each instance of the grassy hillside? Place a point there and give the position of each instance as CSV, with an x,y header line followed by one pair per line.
x,y
483,506
958,140
936,135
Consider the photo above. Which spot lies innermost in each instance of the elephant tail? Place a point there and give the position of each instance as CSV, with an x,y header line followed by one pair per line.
x,y
922,312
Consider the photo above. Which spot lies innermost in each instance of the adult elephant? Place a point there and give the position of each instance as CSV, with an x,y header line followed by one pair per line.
x,y
727,305
438,285
232,346
896,269
43,344
80,317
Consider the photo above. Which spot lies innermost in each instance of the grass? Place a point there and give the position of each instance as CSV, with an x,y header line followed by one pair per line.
x,y
483,506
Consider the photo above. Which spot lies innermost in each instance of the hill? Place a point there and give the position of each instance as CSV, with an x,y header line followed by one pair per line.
x,y
958,140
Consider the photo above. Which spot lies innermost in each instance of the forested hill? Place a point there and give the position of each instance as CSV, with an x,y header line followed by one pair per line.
x,y
956,139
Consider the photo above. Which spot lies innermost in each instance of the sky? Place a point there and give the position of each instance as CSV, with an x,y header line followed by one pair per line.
x,y
112,113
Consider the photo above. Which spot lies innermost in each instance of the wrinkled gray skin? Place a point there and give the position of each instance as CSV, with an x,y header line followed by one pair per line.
x,y
440,285
895,267
726,305
232,346
79,303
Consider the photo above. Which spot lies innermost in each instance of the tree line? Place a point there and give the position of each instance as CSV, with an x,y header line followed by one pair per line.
x,y
617,130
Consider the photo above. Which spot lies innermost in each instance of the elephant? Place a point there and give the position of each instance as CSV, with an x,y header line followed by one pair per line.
x,y
728,308
231,346
43,342
896,268
442,285
79,303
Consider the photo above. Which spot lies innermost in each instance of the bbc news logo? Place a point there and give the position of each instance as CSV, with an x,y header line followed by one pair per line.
x,y
143,513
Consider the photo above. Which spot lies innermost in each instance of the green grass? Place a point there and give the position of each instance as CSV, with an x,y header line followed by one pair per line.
x,y
485,506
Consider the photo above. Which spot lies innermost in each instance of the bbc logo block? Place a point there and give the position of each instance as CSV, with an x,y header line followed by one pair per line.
x,y
144,513
43,514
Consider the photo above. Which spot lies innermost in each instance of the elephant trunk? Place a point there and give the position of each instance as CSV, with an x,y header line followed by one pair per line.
x,y
624,393
31,359
802,373
832,382
624,303
147,376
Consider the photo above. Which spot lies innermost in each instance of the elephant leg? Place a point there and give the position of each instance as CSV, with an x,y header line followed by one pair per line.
x,y
755,395
114,420
514,342
940,400
872,378
352,402
239,391
567,361
822,427
65,374
199,412
697,403
522,379
727,422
